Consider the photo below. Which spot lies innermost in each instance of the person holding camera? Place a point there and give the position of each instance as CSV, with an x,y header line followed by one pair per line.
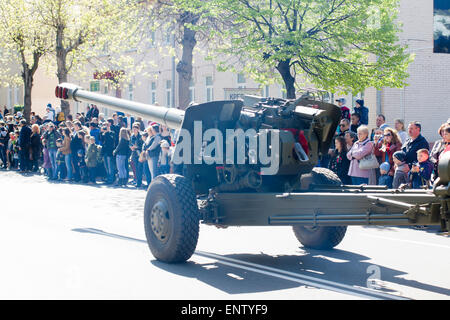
x,y
385,147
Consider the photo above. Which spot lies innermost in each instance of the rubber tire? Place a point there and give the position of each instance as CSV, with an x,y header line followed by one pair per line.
x,y
182,206
321,238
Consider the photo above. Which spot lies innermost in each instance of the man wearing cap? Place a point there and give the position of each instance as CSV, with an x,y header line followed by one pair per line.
x,y
344,110
363,111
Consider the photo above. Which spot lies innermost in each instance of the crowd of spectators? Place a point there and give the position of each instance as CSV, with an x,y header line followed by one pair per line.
x,y
87,149
385,156
90,148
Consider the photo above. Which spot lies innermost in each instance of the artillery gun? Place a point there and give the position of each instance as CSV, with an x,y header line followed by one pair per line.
x,y
269,176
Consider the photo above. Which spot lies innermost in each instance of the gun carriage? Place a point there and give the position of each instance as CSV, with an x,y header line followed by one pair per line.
x,y
243,190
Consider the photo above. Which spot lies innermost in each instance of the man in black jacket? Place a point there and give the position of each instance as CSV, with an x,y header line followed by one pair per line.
x,y
24,146
75,145
4,138
107,140
414,143
136,148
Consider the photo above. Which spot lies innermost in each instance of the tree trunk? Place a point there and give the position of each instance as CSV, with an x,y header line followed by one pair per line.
x,y
61,62
184,67
27,77
284,69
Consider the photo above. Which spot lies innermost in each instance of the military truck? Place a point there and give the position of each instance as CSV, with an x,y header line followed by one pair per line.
x,y
224,177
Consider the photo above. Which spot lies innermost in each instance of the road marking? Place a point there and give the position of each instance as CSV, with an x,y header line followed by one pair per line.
x,y
365,293
299,278
408,241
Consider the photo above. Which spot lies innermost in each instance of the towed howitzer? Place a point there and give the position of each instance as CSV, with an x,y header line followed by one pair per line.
x,y
252,162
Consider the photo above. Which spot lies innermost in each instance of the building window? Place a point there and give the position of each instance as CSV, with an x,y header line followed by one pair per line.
x,y
441,26
9,99
241,80
266,91
167,38
153,92
94,86
191,90
106,89
169,93
151,39
130,92
209,89
16,95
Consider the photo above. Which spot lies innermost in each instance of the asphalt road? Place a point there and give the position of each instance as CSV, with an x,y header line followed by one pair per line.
x,y
70,241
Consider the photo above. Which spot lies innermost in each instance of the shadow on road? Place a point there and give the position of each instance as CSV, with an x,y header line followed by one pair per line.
x,y
335,265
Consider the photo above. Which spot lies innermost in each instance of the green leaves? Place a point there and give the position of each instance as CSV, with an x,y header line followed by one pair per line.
x,y
338,45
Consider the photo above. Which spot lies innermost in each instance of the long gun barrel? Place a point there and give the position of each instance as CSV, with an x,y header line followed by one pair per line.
x,y
170,117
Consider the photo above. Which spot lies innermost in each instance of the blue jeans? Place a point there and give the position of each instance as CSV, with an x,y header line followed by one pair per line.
x,y
359,180
153,166
60,171
92,174
3,156
109,166
121,166
52,156
139,170
148,175
68,160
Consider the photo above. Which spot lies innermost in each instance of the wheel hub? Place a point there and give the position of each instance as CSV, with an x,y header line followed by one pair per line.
x,y
160,220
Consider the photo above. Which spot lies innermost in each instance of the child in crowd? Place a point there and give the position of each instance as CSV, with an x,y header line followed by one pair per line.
x,y
12,152
164,157
420,174
47,165
91,158
385,179
60,161
400,175
84,175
